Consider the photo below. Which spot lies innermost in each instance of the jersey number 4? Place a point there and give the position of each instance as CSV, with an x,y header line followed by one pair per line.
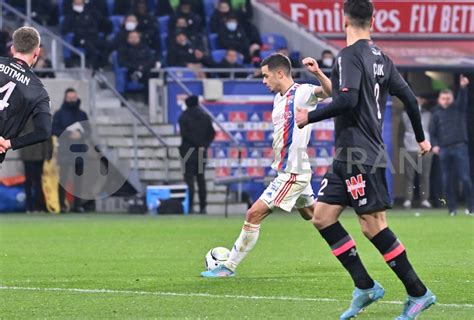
x,y
9,87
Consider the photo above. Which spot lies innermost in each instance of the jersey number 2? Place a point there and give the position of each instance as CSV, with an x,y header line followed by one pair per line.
x,y
377,94
9,90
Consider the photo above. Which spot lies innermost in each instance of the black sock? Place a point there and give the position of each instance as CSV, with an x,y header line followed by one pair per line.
x,y
396,257
343,247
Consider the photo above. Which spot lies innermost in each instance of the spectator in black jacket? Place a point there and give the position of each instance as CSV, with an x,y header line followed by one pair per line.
x,y
197,134
185,9
182,52
194,37
98,8
326,61
220,15
147,26
164,8
233,36
71,126
230,61
123,7
82,22
44,63
449,139
137,57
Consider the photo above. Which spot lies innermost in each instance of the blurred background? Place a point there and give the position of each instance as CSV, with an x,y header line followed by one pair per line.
x,y
120,74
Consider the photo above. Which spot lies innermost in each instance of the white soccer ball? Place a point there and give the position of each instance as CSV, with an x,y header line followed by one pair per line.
x,y
215,257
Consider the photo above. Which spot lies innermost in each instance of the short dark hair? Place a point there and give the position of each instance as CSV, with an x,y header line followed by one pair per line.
x,y
68,90
446,91
327,52
277,60
360,12
26,40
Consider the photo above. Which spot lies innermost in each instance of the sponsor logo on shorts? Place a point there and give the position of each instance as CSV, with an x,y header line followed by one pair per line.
x,y
362,202
356,186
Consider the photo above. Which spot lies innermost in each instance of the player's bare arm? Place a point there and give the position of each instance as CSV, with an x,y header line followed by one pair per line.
x,y
325,90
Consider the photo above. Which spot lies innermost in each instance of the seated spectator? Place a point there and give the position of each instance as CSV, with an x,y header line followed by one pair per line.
x,y
44,63
294,63
194,21
220,15
193,36
163,8
234,37
230,61
183,53
137,57
131,23
98,8
82,23
326,61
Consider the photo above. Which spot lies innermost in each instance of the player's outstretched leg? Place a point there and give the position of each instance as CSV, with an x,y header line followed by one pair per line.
x,y
367,291
375,228
245,242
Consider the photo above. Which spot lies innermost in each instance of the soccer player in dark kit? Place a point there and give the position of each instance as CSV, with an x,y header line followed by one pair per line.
x,y
362,78
22,95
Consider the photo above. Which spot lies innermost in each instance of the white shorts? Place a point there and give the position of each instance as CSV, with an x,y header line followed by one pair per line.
x,y
289,190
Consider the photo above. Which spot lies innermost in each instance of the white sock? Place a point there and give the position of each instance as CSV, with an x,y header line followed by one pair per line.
x,y
245,242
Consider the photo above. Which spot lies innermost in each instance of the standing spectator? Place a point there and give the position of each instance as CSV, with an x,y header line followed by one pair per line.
x,y
137,58
411,146
44,63
82,22
449,138
70,124
183,53
185,9
33,158
197,134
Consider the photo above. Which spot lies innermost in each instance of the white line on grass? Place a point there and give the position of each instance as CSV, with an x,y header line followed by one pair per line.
x,y
207,295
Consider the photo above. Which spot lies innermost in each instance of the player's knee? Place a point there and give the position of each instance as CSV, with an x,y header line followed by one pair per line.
x,y
253,216
319,221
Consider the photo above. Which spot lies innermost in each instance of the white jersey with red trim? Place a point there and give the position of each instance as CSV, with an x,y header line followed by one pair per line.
x,y
289,142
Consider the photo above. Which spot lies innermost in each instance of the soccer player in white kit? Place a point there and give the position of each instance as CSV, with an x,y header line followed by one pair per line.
x,y
292,187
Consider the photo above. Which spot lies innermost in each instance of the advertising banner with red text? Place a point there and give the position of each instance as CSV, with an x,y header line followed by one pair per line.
x,y
424,18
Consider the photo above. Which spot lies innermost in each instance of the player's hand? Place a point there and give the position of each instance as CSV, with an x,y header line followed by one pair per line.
x,y
4,145
463,81
301,117
311,65
435,150
425,147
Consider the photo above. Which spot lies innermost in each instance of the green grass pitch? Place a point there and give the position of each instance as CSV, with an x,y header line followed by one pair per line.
x,y
121,266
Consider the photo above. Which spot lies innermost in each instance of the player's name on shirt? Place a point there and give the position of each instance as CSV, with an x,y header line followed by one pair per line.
x,y
263,162
15,72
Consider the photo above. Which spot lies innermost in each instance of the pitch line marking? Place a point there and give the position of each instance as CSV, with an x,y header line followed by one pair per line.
x,y
208,295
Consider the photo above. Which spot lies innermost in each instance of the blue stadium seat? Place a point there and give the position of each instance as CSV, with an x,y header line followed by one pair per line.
x,y
266,53
60,8
121,83
68,38
209,7
274,41
164,43
213,41
116,23
110,6
163,23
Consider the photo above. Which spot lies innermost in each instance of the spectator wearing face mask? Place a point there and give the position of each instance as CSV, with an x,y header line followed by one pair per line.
x,y
185,9
326,61
234,37
137,57
182,52
220,15
82,23
98,8
71,126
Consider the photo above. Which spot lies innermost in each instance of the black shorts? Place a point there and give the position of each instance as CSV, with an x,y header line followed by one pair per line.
x,y
359,186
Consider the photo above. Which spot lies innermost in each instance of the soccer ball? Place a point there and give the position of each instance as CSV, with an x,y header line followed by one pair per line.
x,y
215,257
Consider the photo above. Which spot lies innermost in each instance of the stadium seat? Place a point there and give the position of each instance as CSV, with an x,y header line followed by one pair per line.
x,y
219,54
121,83
164,43
110,6
163,23
116,22
68,38
213,41
209,7
265,53
274,41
